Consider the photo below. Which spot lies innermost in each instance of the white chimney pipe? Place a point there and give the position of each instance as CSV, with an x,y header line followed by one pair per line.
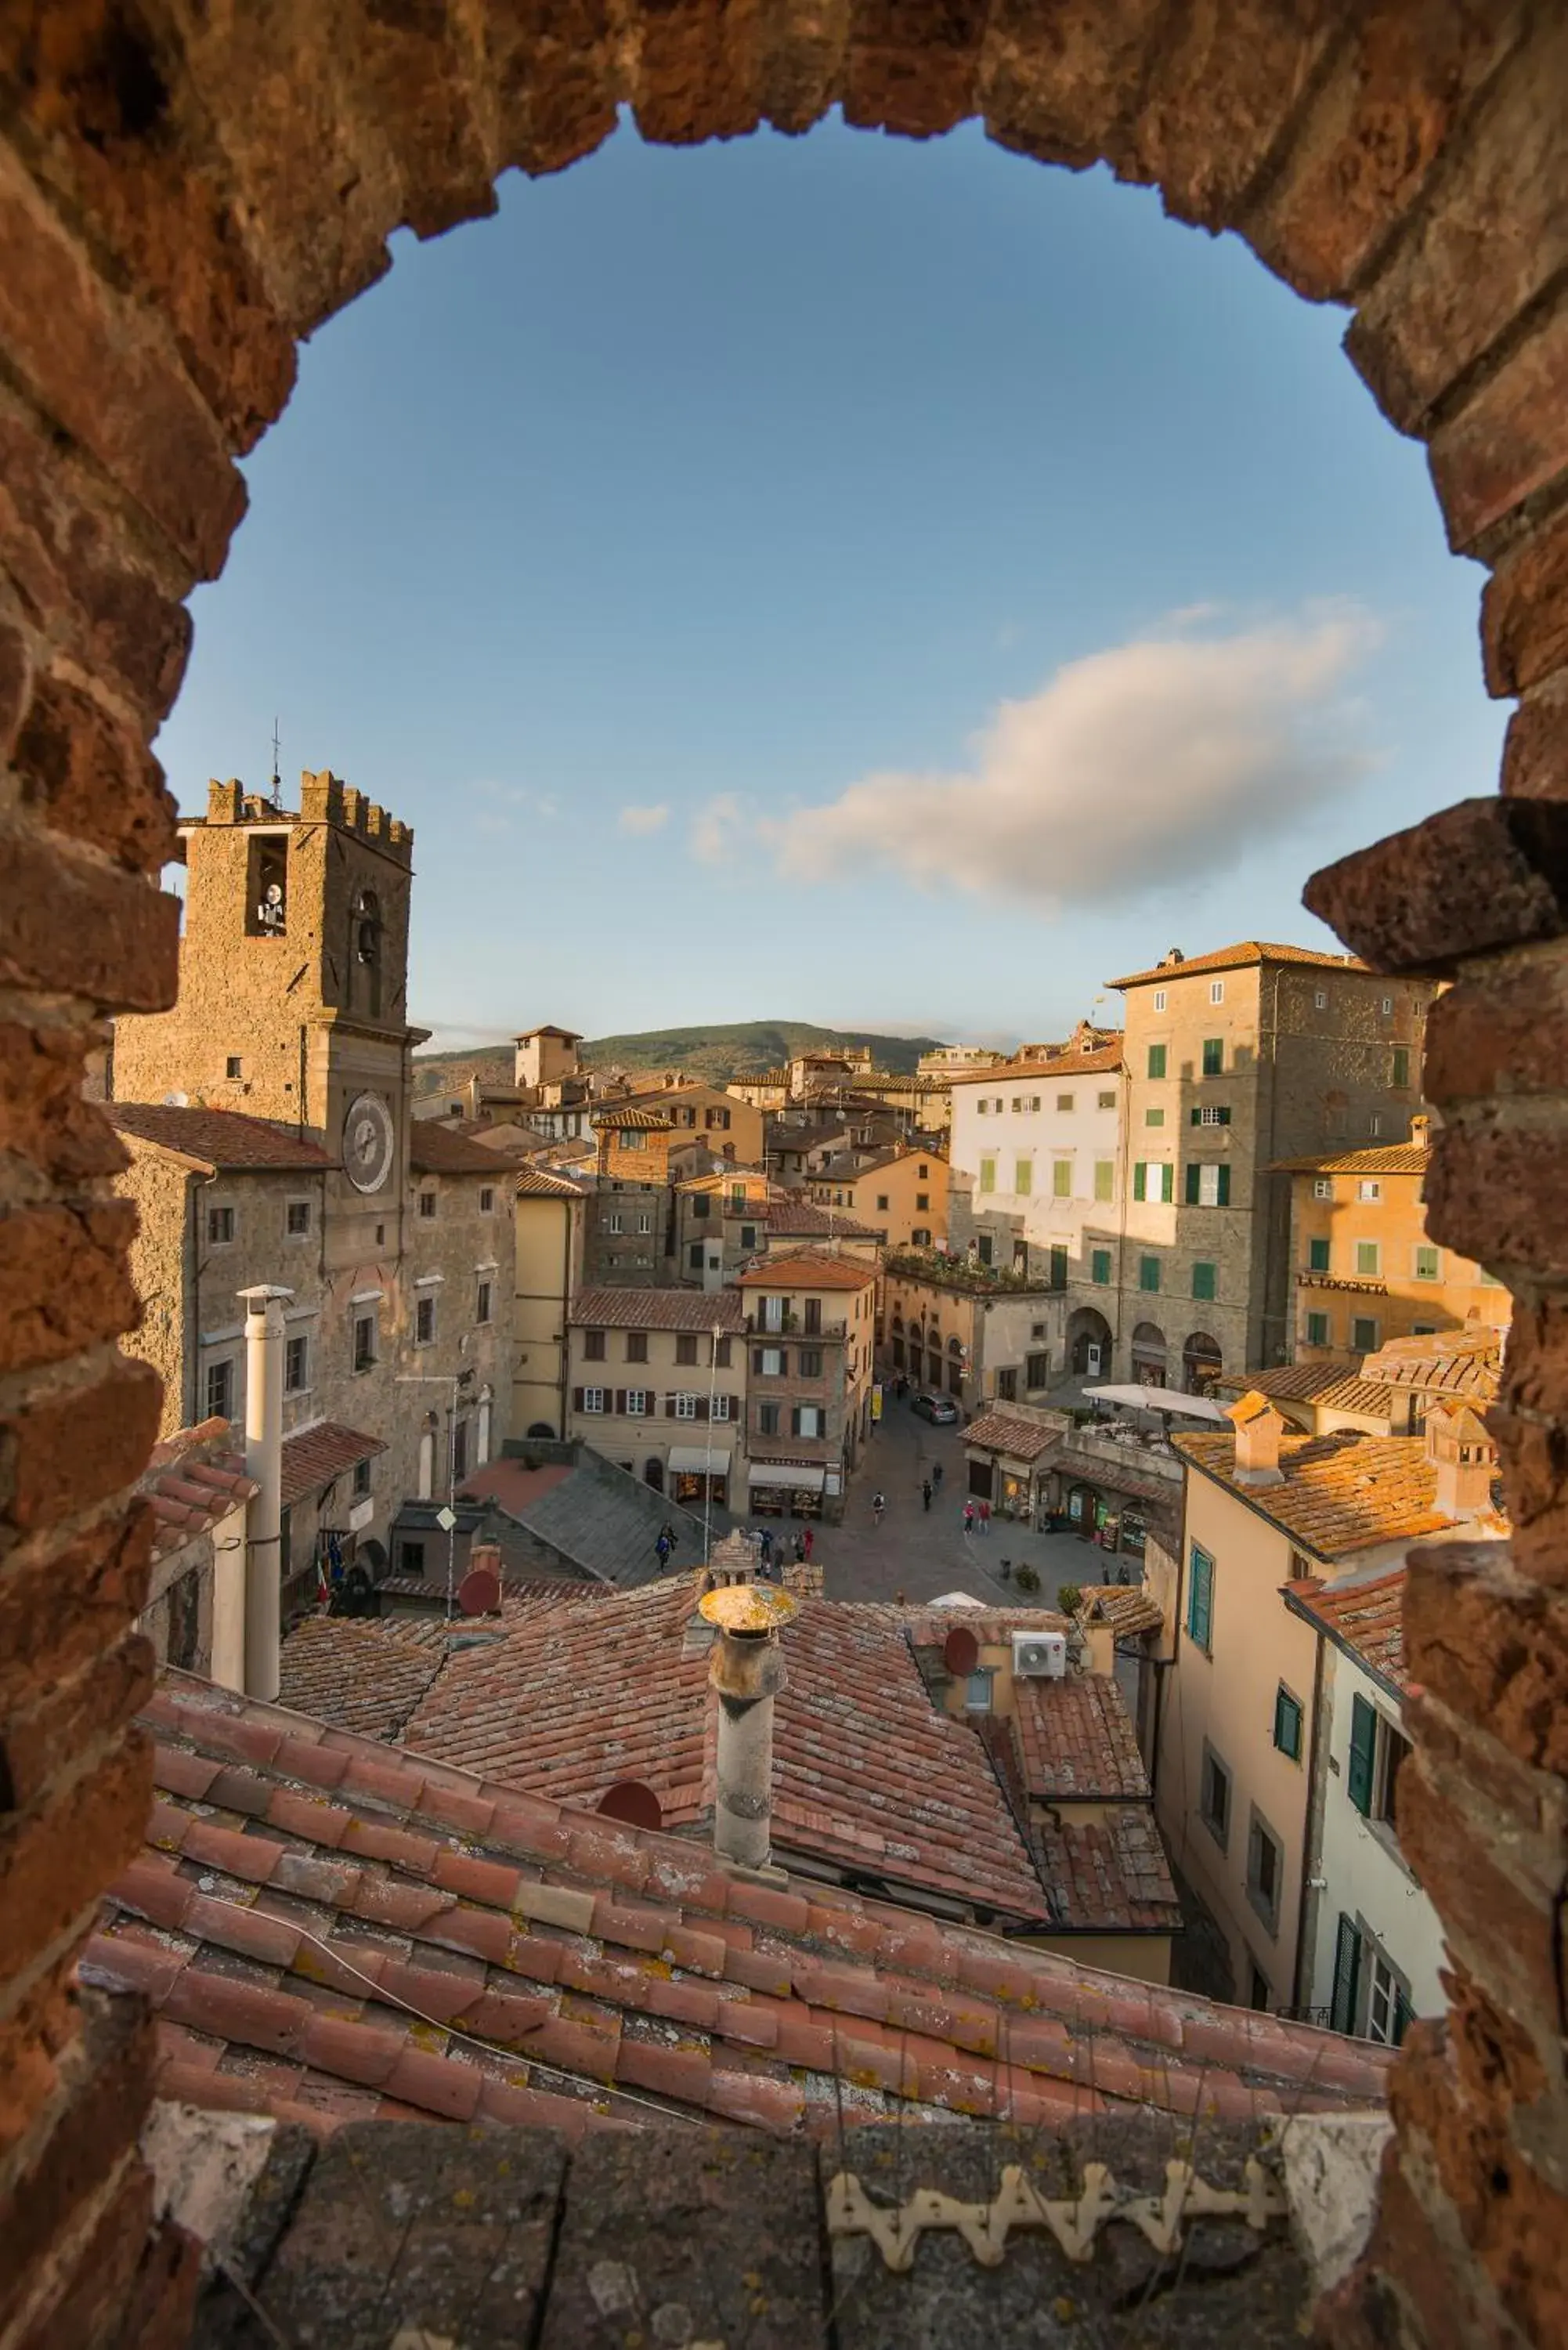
x,y
746,1670
264,1466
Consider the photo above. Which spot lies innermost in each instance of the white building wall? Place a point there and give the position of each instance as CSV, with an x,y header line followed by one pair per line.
x,y
1365,1878
1086,1134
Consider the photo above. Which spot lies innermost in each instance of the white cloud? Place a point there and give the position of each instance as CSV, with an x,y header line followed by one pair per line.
x,y
1131,769
717,828
502,803
644,819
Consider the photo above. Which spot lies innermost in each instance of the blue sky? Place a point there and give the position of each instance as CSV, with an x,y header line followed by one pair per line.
x,y
878,584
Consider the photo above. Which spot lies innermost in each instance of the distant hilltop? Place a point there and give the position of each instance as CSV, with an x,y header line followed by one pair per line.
x,y
742,1049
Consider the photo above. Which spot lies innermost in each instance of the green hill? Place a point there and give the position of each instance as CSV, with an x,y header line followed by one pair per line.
x,y
716,1053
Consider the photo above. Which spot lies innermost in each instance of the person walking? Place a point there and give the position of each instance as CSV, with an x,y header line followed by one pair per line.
x,y
937,1475
878,1503
799,1549
767,1546
969,1517
926,1495
807,1539
985,1517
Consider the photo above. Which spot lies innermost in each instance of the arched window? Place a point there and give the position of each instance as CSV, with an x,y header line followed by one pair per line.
x,y
365,953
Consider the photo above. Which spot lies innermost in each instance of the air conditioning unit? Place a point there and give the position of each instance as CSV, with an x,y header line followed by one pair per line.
x,y
1040,1656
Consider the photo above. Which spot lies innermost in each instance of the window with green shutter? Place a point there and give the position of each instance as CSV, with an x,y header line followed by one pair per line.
x,y
1023,1178
1346,1976
1363,1754
1208,1186
1100,1268
1200,1597
1213,1056
1062,1179
988,1174
1058,1264
1140,1179
1317,1330
1288,1718
1401,1064
1317,1257
1157,1060
1104,1178
1426,1268
1153,1117
1368,1259
1203,1280
1148,1273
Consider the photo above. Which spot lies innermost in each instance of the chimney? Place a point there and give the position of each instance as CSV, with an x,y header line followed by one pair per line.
x,y
746,1670
1465,1459
1421,1130
1259,1428
264,1466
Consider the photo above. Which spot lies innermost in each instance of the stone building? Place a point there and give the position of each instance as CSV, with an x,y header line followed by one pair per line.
x,y
811,1317
271,1137
963,1329
551,1211
901,1194
657,1384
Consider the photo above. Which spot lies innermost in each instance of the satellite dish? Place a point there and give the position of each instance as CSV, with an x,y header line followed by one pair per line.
x,y
479,1593
633,1801
960,1651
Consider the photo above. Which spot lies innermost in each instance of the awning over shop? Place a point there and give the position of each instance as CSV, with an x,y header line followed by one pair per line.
x,y
697,1460
787,1474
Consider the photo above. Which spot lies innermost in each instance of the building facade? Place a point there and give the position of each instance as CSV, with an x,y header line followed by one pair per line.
x,y
658,1385
961,1330
551,1214
810,1322
901,1196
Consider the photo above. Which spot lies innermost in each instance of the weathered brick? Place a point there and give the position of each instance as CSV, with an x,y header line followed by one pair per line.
x,y
43,1121
56,1860
1524,610
1499,1193
65,1282
60,1607
94,366
68,1715
912,68
1492,232
1508,441
15,683
1060,101
698,73
1486,874
1414,2284
31,2039
1502,1033
75,1448
81,928
92,779
1493,1644
1399,83
91,2283
1503,1932
1535,748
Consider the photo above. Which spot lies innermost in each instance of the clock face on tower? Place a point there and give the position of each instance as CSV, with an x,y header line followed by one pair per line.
x,y
369,1140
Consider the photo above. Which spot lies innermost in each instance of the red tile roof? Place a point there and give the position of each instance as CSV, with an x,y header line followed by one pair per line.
x,y
1111,1874
1233,958
1077,1742
361,1675
658,1309
1365,1615
1465,1362
1020,1440
1342,1492
807,1268
538,1183
327,1928
803,1219
217,1140
1328,1385
193,1479
646,1121
1064,1063
1127,1608
434,1150
1384,1158
313,1456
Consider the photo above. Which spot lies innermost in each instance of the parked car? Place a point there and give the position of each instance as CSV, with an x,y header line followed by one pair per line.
x,y
938,1408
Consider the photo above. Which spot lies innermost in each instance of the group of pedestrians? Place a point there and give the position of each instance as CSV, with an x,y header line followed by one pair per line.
x,y
773,1551
977,1517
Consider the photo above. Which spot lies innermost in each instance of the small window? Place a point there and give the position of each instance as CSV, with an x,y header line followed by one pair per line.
x,y
1288,1718
988,1174
1157,1060
1153,1117
644,1221
637,1403
637,1346
1369,1260
233,1067
1036,1371
720,1407
1375,1125
1148,1273
1213,1056
412,1555
1320,1001
362,1480
220,1391
424,1322
1104,1178
481,1303
1387,1007
593,1400
364,1342
1368,1189
722,1353
295,1366
977,1689
769,1362
1100,1268
1208,1186
694,1256
1317,1257
1215,991
1159,999
1203,1280
748,1236
593,1346
427,1206
220,1226
1401,1066
1200,1598
1214,1796
1317,1330
1364,1335
1210,1114
808,1419
808,1362
767,1419
685,1407
1265,1871
298,1219
1106,1101
1322,1187
1062,1179
686,1346
1023,1178
1427,1265
1065,1101
487,1199
882,1202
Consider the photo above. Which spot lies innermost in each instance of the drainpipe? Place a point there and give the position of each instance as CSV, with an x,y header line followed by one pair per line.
x,y
746,1669
264,1466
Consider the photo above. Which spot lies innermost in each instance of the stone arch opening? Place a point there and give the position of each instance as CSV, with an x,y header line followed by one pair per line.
x,y
1088,1343
1202,1361
1150,1357
168,243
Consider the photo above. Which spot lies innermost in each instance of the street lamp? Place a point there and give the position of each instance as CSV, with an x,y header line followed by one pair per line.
x,y
457,1382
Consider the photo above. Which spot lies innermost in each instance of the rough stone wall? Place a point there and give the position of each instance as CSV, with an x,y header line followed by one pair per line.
x,y
464,1244
183,194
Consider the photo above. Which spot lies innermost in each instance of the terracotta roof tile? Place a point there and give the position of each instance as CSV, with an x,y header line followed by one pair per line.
x,y
1127,1608
658,1309
1109,1873
1365,1615
1465,1362
1329,1385
216,1139
1077,1741
807,1268
1342,1492
308,2014
646,1120
1233,958
1020,1440
367,1675
434,1150
1381,1158
792,1219
314,1456
193,1481
1064,1063
539,1183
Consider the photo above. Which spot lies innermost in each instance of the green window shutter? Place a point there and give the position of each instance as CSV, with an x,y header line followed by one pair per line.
x,y
1347,1975
1058,1266
1100,1267
1427,1266
1363,1753
1199,1597
1157,1060
1288,1723
1224,1185
1105,1178
1317,1329
1062,1179
1140,1179
1225,1117
1401,1064
1203,1280
1317,1257
1194,1176
1213,1056
1148,1273
1195,1118
1167,1181
1404,2016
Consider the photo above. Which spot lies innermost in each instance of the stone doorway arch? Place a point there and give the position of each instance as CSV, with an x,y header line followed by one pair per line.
x,y
1202,1361
1089,1344
1150,1356
169,239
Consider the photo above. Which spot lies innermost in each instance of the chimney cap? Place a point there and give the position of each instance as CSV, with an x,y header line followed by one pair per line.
x,y
747,1607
